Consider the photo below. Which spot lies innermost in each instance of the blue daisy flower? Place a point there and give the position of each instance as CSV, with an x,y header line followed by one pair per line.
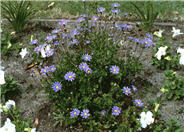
x,y
56,31
101,10
81,19
34,41
88,70
116,11
134,88
86,57
38,49
114,69
52,68
85,113
49,52
74,113
95,19
56,86
63,22
126,90
138,102
44,70
103,113
70,76
115,5
116,110
83,66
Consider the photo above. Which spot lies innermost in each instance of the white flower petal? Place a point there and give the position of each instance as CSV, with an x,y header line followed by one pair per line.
x,y
2,80
33,130
23,53
8,104
8,126
181,60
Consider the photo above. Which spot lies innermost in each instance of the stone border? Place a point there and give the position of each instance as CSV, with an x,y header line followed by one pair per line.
x,y
128,22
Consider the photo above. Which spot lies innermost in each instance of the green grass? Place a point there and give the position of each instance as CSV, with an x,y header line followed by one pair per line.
x,y
75,8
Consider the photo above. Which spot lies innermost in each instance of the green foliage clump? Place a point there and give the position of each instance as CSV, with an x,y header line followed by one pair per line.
x,y
21,124
173,125
8,43
146,12
173,85
167,61
17,13
9,89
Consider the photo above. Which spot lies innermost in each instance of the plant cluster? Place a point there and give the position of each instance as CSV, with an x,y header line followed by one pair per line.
x,y
163,58
146,12
17,13
8,43
9,89
173,86
14,121
91,85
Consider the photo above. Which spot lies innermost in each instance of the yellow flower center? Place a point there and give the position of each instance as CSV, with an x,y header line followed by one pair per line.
x,y
86,57
95,19
70,76
85,113
75,113
83,66
57,87
45,70
114,69
88,71
49,52
146,42
52,68
126,91
38,49
115,111
116,11
63,23
138,103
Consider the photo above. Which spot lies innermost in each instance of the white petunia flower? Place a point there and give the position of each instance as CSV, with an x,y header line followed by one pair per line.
x,y
2,80
33,130
159,33
8,126
8,104
146,119
44,50
181,51
176,32
23,53
161,52
182,59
